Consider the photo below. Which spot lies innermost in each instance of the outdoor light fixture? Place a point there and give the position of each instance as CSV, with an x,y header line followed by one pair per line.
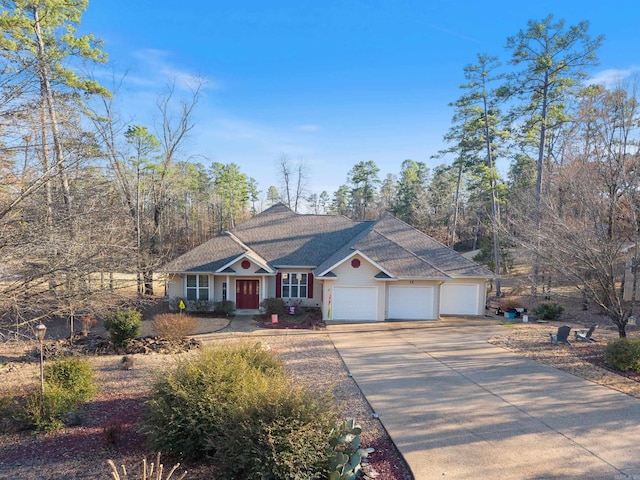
x,y
41,330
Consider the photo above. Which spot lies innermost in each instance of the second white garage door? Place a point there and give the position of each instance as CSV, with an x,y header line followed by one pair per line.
x,y
355,303
460,299
411,303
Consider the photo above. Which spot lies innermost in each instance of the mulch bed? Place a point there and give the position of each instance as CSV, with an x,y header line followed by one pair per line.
x,y
594,354
306,321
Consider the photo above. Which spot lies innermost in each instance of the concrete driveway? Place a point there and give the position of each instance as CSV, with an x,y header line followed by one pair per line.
x,y
459,407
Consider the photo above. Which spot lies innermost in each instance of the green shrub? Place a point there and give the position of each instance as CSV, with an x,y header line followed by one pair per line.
x,y
74,375
123,326
174,326
272,306
549,310
235,406
68,382
225,307
284,427
45,413
623,354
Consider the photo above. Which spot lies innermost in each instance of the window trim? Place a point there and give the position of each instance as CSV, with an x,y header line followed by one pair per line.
x,y
197,288
285,283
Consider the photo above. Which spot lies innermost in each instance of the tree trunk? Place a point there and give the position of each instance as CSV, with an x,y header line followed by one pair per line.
x,y
47,95
494,206
454,223
537,210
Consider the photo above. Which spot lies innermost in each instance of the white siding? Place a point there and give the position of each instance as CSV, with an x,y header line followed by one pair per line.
x,y
348,276
175,286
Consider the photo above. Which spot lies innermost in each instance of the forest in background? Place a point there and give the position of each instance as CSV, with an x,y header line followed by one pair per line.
x,y
86,196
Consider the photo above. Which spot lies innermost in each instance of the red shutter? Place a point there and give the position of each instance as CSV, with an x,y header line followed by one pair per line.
x,y
278,285
310,285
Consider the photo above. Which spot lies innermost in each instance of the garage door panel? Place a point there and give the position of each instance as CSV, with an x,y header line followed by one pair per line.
x,y
459,299
411,303
355,303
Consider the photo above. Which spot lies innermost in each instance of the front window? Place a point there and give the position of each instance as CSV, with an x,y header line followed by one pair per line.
x,y
294,285
198,287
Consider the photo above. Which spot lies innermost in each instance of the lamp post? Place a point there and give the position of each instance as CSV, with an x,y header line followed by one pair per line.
x,y
40,332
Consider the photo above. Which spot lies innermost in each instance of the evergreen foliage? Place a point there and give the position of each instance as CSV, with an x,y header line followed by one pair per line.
x,y
235,407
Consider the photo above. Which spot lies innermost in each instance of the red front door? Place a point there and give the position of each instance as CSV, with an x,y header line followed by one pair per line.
x,y
247,294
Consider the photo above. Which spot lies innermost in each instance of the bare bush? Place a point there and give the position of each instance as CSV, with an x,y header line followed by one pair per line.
x,y
174,326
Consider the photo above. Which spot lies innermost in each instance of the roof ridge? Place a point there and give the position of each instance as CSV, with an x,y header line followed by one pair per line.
x,y
238,241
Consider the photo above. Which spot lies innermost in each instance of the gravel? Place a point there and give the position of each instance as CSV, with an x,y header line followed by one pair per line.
x,y
109,421
582,359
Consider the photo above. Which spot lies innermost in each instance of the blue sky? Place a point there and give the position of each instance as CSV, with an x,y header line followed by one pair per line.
x,y
331,82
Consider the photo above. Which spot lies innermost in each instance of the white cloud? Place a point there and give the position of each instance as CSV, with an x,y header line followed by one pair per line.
x,y
308,128
155,64
612,76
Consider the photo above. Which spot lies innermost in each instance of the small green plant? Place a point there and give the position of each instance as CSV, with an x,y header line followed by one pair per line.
x,y
549,310
623,354
68,382
225,308
147,471
273,306
345,452
123,326
44,413
74,375
173,327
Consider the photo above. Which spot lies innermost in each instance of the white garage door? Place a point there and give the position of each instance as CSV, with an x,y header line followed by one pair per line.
x,y
355,303
459,299
411,303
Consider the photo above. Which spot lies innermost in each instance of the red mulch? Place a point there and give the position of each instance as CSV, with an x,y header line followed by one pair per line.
x,y
307,321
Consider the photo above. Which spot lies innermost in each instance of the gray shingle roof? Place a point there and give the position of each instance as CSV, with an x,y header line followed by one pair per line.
x,y
405,252
282,237
208,257
433,255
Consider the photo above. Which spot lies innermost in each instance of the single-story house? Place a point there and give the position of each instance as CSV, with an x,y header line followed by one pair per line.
x,y
369,271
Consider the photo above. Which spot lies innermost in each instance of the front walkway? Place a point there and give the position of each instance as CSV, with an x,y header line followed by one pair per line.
x,y
459,407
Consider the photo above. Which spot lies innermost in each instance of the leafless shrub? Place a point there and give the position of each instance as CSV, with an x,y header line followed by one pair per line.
x,y
173,327
512,302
